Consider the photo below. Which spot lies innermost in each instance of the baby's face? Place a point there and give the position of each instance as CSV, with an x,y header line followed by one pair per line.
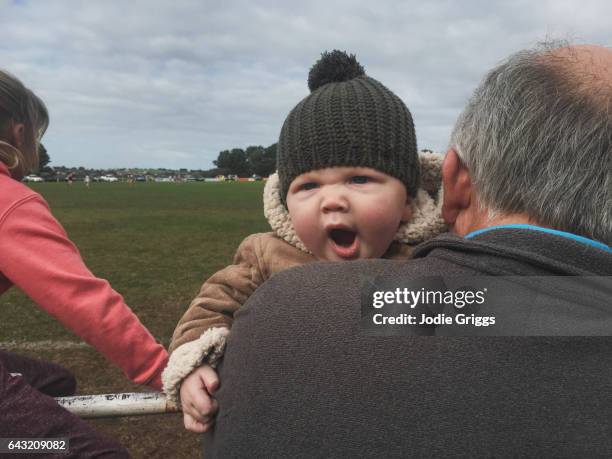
x,y
346,213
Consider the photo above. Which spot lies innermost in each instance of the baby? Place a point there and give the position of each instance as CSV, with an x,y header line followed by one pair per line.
x,y
347,188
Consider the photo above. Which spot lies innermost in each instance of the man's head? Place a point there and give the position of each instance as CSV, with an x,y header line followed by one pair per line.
x,y
534,145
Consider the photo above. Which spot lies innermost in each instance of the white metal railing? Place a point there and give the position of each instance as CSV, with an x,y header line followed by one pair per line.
x,y
116,405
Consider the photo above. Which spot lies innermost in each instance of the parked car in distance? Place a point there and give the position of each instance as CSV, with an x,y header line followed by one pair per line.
x,y
33,178
108,178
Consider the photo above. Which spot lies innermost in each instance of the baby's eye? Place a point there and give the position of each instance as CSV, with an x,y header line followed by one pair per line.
x,y
308,186
360,179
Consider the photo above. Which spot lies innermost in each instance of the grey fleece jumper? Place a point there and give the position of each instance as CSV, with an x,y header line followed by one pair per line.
x,y
298,386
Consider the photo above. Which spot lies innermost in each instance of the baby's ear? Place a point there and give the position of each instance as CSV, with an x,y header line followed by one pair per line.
x,y
407,211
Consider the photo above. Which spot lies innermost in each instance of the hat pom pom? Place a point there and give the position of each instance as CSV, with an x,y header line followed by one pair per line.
x,y
334,67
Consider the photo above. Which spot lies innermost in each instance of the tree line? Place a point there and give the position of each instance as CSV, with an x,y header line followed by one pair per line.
x,y
255,160
43,158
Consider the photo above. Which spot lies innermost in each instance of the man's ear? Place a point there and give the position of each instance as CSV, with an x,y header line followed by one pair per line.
x,y
407,212
457,187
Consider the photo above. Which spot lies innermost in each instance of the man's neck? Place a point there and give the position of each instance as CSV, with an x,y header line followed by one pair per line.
x,y
480,220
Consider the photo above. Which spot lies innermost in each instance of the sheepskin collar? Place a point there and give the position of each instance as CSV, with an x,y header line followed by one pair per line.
x,y
426,219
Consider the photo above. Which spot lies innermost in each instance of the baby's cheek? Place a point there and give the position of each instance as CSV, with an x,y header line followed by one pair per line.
x,y
382,227
380,215
303,227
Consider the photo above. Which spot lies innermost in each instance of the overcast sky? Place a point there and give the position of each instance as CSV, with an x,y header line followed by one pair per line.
x,y
172,83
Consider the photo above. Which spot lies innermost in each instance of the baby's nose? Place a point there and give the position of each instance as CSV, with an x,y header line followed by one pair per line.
x,y
334,201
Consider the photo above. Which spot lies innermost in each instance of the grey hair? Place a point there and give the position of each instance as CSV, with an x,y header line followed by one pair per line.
x,y
537,142
19,104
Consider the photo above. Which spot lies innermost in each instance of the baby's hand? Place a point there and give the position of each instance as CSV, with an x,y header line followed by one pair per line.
x,y
199,408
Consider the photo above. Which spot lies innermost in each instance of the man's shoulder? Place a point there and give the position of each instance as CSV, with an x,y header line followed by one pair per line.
x,y
324,274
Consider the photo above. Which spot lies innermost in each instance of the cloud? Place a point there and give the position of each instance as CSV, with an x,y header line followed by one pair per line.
x,y
170,84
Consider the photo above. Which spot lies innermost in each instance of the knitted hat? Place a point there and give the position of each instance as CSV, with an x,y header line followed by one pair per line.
x,y
349,119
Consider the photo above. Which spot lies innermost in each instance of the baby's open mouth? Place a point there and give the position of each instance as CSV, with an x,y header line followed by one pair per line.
x,y
342,237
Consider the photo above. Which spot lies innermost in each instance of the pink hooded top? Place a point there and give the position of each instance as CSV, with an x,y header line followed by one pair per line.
x,y
37,256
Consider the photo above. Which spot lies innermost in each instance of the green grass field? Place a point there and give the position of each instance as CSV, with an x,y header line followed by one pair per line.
x,y
156,243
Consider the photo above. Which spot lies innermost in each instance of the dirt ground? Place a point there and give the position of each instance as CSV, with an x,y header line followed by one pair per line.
x,y
152,436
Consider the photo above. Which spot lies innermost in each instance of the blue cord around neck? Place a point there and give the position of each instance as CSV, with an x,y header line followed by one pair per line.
x,y
575,237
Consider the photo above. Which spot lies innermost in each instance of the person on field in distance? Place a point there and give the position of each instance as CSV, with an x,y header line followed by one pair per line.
x,y
37,257
527,192
347,189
